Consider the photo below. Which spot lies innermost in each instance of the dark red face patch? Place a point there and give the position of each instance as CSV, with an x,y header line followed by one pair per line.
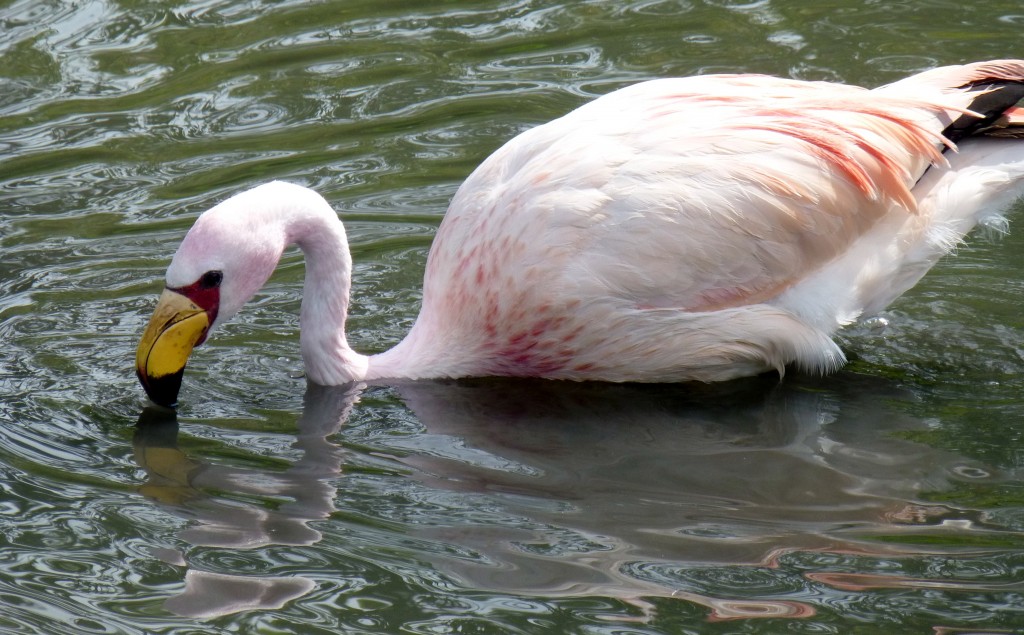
x,y
205,294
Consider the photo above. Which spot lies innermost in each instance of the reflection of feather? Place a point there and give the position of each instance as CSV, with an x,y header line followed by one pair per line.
x,y
209,595
630,491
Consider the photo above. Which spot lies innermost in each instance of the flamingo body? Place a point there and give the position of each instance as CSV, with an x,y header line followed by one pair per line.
x,y
702,228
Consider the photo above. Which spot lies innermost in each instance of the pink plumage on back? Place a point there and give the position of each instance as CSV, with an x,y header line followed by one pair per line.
x,y
663,232
691,229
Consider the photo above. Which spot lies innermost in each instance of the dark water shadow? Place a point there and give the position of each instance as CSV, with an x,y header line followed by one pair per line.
x,y
660,477
738,474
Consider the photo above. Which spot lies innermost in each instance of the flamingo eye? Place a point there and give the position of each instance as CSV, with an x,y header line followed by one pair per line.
x,y
211,279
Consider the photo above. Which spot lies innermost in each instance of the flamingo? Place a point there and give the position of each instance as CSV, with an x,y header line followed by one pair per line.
x,y
690,229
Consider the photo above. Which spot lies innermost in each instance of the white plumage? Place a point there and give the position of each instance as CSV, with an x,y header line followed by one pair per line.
x,y
681,229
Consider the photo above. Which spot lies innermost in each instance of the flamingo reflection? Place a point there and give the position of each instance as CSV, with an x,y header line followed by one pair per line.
x,y
616,489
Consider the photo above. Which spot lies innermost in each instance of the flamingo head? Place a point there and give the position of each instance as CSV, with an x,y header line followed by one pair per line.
x,y
224,260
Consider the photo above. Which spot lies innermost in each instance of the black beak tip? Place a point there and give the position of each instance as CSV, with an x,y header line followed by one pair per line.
x,y
163,391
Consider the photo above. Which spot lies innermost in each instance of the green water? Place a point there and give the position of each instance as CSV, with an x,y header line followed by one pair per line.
x,y
884,499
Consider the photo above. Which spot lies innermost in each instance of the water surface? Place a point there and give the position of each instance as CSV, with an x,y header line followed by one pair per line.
x,y
885,498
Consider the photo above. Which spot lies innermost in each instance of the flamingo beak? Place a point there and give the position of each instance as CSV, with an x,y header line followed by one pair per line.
x,y
178,325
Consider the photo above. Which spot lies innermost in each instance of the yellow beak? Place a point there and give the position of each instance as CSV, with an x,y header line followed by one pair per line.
x,y
177,325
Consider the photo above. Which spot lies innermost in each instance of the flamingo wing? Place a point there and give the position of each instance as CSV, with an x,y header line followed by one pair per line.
x,y
697,194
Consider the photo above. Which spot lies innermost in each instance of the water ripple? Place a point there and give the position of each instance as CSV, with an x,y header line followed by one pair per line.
x,y
885,496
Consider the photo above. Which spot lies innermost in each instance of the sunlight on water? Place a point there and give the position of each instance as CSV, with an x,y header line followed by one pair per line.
x,y
886,498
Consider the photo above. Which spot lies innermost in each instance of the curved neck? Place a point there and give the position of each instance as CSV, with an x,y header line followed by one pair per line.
x,y
325,298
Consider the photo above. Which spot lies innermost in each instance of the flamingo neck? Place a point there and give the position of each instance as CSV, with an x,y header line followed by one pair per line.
x,y
328,358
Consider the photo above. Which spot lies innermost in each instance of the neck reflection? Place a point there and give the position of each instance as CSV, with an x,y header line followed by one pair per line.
x,y
227,504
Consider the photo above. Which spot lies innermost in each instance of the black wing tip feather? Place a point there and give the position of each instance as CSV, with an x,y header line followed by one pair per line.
x,y
994,99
